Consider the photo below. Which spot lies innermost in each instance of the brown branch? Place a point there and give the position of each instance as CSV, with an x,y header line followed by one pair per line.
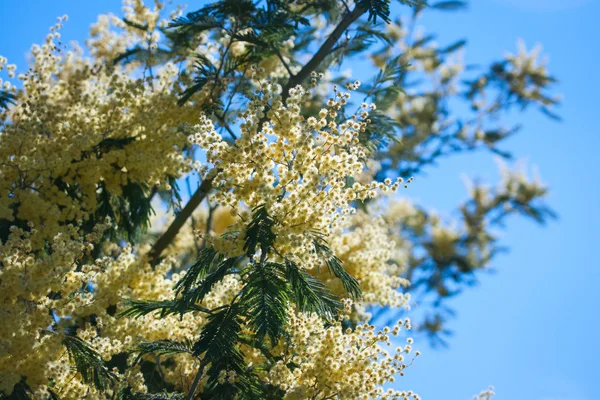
x,y
161,244
324,50
287,67
197,379
221,118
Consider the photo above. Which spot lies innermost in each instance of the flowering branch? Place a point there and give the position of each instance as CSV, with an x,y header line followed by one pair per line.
x,y
161,244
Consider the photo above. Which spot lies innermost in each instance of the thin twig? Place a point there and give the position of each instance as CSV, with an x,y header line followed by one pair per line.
x,y
225,125
287,67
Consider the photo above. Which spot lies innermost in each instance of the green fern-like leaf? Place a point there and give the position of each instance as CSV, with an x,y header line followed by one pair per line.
x,y
205,71
310,294
6,98
127,393
162,347
196,294
206,259
89,363
334,264
131,210
259,232
377,9
415,3
220,334
265,300
139,308
218,343
452,5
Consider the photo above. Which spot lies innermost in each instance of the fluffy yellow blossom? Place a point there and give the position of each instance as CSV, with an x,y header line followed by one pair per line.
x,y
298,169
367,251
325,361
81,133
38,292
485,394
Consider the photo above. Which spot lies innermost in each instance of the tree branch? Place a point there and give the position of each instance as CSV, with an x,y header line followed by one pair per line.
x,y
221,118
161,244
287,67
197,379
324,50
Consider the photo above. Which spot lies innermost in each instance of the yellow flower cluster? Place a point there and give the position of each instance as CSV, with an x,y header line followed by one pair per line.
x,y
82,125
112,36
79,125
39,291
128,277
485,394
366,248
523,66
331,362
36,290
298,168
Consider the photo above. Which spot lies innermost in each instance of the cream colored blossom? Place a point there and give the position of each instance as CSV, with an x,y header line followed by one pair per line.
x,y
296,168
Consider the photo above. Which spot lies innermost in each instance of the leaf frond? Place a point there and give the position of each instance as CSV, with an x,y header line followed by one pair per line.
x,y
310,294
89,363
265,300
334,264
162,347
259,232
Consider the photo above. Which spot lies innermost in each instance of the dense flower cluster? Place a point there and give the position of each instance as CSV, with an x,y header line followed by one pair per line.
x,y
485,394
79,127
351,364
112,36
298,169
369,252
79,291
35,291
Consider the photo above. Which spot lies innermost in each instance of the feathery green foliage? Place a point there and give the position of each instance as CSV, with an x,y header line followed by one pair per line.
x,y
89,363
268,288
220,334
130,211
6,98
377,9
218,346
199,269
193,295
139,308
310,294
334,264
162,347
265,300
126,393
259,232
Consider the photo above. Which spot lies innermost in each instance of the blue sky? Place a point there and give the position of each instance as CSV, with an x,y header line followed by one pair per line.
x,y
529,329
